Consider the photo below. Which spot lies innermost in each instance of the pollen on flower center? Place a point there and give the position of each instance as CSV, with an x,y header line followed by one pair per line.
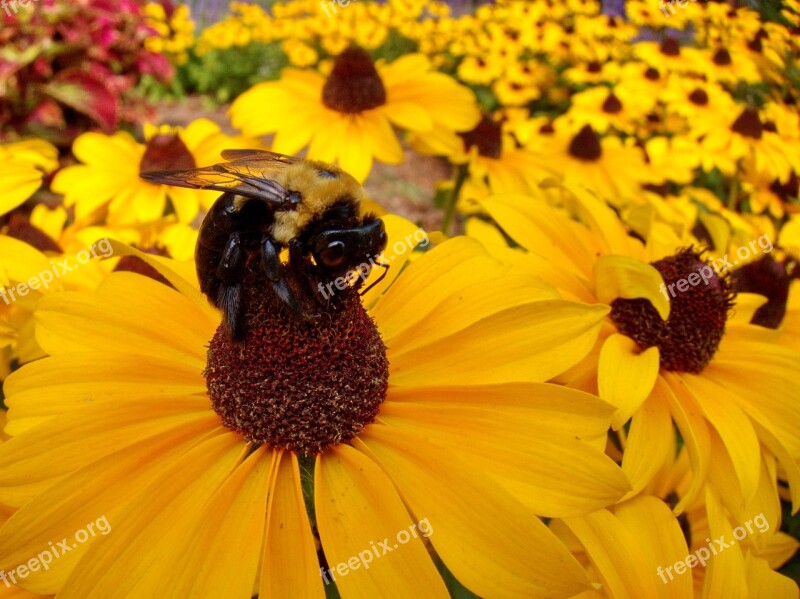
x,y
689,338
293,383
354,84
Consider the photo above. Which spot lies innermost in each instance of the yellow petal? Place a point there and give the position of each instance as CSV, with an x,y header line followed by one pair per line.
x,y
509,555
532,342
289,566
361,519
762,581
148,542
651,519
552,473
734,428
621,276
153,318
650,443
624,568
105,488
223,556
625,376
34,461
54,385
725,576
457,262
688,417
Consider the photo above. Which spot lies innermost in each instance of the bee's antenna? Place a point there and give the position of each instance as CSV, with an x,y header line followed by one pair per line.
x,y
380,278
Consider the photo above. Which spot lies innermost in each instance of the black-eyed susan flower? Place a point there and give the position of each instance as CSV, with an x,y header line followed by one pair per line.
x,y
607,166
107,183
25,164
348,116
413,403
677,346
747,139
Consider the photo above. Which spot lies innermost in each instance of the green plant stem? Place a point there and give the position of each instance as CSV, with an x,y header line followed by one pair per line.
x,y
462,170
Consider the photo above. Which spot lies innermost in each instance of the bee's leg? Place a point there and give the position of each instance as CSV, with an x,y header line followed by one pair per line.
x,y
230,271
270,255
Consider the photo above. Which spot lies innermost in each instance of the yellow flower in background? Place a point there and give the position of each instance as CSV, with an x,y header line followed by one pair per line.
x,y
746,138
107,187
197,510
495,162
24,165
677,347
347,117
605,165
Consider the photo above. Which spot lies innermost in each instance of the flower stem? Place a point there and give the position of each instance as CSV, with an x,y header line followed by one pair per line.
x,y
462,170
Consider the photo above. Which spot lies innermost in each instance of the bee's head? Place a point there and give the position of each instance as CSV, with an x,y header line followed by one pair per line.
x,y
339,250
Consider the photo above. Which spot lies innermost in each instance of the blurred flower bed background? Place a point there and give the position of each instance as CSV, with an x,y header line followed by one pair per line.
x,y
570,139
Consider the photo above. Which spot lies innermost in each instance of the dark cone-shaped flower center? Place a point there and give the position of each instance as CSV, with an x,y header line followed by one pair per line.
x,y
586,145
670,47
354,84
166,152
487,136
612,105
699,305
699,97
293,383
748,124
769,278
652,74
722,58
20,227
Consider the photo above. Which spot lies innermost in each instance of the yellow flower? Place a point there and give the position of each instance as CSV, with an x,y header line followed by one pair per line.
x,y
672,350
198,510
24,165
747,138
108,178
606,166
348,116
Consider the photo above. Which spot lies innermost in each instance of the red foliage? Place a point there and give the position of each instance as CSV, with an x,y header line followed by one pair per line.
x,y
67,67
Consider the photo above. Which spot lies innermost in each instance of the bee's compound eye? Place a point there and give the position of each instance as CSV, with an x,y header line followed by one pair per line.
x,y
333,255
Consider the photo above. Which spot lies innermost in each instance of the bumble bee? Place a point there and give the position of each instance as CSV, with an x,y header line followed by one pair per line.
x,y
271,202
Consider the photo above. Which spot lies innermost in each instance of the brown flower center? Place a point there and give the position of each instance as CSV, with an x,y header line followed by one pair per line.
x,y
699,304
612,105
769,278
20,227
293,383
670,47
354,84
748,124
652,74
586,145
166,152
699,97
487,136
722,58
